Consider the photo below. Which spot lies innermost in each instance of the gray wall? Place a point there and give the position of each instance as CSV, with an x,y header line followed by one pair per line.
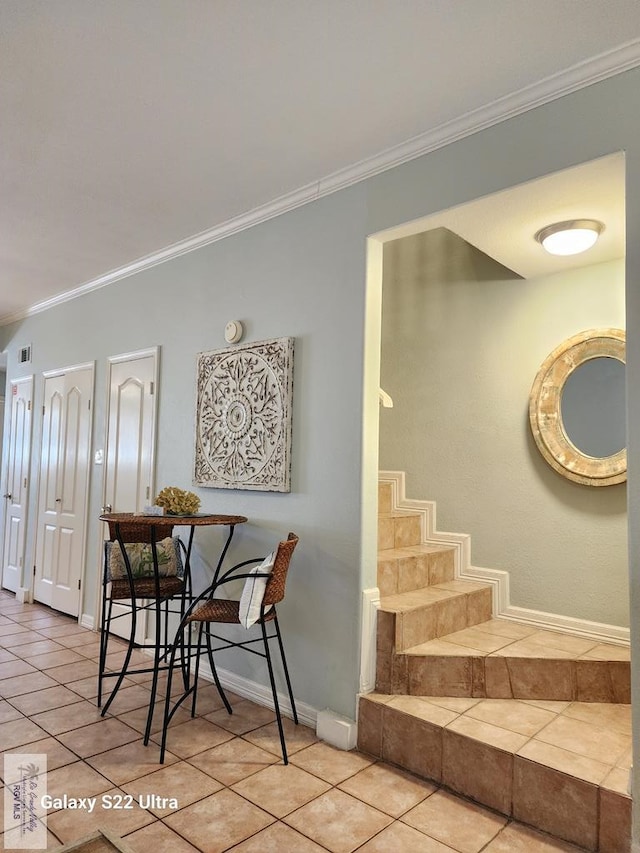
x,y
303,274
462,341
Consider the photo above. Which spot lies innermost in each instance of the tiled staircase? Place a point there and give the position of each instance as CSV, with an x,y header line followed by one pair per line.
x,y
532,723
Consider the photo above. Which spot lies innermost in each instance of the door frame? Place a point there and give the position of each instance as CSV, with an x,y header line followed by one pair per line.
x,y
50,374
153,351
8,413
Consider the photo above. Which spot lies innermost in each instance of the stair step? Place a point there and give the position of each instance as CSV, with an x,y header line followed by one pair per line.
x,y
414,567
562,767
408,618
399,529
503,660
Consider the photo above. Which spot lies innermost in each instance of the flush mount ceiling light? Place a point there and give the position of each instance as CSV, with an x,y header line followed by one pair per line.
x,y
571,237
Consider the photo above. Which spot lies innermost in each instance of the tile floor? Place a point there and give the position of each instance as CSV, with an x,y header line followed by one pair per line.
x,y
225,772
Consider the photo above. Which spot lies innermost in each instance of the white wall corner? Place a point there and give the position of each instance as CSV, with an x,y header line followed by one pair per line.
x,y
370,605
337,730
87,621
23,595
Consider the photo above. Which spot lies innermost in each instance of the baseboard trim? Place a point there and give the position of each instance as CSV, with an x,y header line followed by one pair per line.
x,y
87,621
498,578
370,606
260,694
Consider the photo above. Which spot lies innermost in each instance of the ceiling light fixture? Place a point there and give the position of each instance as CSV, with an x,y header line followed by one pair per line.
x,y
571,237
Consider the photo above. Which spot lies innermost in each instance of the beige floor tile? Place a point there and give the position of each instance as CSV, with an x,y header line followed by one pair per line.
x,y
196,735
128,698
338,822
565,642
8,712
78,639
279,838
331,764
71,825
74,671
233,760
209,700
617,780
11,629
57,754
280,789
606,651
476,639
528,649
219,821
76,780
246,717
88,687
180,781
616,717
14,667
565,761
517,838
39,647
417,706
51,659
444,648
137,719
98,737
44,700
512,715
458,704
626,759
460,824
28,683
130,761
488,733
296,737
388,789
403,839
19,732
548,704
585,739
6,655
506,628
8,847
64,628
160,839
68,717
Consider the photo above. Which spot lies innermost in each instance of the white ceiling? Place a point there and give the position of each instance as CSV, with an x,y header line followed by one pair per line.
x,y
127,126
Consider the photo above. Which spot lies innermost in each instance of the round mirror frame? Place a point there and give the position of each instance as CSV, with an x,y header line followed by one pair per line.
x,y
546,418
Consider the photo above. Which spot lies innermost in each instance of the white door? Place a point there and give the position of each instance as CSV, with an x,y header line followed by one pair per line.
x,y
64,483
130,446
16,479
131,431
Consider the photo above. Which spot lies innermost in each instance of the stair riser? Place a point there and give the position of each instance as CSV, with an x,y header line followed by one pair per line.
x,y
401,631
384,497
569,808
526,678
398,531
405,574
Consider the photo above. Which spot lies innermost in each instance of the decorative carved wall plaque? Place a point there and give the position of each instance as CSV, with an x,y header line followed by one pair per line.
x,y
243,417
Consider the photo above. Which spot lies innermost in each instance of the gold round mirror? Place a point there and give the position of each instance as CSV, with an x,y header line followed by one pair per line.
x,y
577,408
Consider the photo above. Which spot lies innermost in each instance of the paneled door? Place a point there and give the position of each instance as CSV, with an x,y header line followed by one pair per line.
x,y
131,441
16,481
63,491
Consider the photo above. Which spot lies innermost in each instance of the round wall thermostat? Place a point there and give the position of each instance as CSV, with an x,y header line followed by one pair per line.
x,y
233,331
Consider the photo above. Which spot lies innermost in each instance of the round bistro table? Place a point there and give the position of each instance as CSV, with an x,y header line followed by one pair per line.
x,y
128,527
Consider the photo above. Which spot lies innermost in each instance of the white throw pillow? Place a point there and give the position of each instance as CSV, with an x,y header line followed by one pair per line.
x,y
253,592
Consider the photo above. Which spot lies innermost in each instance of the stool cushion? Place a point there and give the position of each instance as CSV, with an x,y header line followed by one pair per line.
x,y
140,556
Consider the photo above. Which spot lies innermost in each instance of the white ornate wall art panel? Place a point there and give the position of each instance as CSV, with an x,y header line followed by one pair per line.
x,y
243,417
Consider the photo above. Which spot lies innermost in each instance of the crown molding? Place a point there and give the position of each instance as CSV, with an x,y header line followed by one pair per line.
x,y
593,70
